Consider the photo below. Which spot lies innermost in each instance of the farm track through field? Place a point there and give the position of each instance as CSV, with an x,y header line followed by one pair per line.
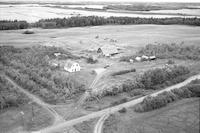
x,y
114,109
100,72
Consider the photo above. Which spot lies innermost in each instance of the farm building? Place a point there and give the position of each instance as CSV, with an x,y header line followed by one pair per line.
x,y
138,58
108,50
152,57
71,66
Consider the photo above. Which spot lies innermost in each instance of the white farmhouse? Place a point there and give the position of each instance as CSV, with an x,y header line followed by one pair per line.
x,y
71,66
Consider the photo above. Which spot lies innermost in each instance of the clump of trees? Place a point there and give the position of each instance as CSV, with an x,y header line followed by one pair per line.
x,y
9,96
13,25
123,72
30,68
161,100
152,78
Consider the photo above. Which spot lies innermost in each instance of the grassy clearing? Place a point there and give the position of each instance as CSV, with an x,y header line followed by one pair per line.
x,y
11,119
181,116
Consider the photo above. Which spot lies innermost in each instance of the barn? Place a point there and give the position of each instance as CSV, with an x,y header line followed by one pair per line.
x,y
72,66
108,50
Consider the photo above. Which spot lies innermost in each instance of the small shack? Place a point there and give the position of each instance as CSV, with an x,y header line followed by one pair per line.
x,y
72,66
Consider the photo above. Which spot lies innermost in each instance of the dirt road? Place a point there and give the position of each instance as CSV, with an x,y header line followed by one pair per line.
x,y
60,126
100,72
47,107
99,124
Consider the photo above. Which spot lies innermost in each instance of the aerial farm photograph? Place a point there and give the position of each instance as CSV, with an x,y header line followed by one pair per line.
x,y
99,66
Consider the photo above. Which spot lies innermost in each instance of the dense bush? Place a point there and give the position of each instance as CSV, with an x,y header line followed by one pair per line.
x,y
30,68
9,96
161,100
150,79
123,72
119,102
13,25
167,51
178,51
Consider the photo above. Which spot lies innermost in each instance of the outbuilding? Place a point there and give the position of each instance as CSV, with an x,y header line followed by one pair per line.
x,y
108,50
152,57
138,58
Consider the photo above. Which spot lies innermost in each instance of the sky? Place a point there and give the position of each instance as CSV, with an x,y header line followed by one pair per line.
x,y
105,0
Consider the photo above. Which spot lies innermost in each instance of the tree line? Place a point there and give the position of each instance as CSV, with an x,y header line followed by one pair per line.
x,y
80,21
13,25
161,100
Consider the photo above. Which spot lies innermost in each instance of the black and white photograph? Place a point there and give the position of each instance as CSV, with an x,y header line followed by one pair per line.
x,y
99,66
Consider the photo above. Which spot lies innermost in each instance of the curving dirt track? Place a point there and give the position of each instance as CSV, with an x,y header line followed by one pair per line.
x,y
99,125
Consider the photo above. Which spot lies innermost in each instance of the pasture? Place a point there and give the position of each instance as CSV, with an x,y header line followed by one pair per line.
x,y
130,37
181,116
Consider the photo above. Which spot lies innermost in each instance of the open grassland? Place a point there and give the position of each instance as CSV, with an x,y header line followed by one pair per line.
x,y
130,37
182,116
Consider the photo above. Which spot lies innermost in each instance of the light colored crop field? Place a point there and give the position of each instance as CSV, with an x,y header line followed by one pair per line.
x,y
35,12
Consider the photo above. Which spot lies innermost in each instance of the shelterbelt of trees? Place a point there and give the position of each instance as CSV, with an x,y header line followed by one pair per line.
x,y
165,51
94,21
31,69
161,100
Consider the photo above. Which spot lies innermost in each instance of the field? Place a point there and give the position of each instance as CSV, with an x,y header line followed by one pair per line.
x,y
129,37
35,12
181,116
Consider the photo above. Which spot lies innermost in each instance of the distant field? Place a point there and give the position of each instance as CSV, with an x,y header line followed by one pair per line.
x,y
35,12
179,117
129,37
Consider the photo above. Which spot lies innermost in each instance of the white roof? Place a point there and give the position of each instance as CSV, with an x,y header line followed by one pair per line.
x,y
69,63
109,49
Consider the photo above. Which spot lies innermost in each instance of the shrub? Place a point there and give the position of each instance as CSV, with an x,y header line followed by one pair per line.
x,y
119,102
170,62
123,110
123,72
28,32
91,60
